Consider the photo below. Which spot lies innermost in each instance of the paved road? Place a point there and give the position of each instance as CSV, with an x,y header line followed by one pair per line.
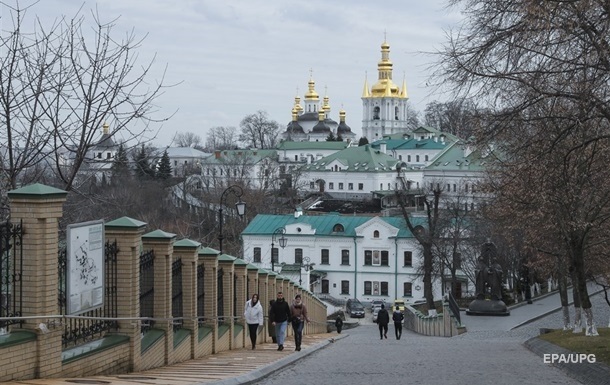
x,y
492,352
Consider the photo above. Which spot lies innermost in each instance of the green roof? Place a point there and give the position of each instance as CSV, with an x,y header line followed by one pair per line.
x,y
266,224
125,222
37,190
230,156
356,159
286,145
453,159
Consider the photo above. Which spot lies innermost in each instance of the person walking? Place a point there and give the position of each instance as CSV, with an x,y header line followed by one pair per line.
x,y
253,313
279,315
398,317
298,314
383,319
339,324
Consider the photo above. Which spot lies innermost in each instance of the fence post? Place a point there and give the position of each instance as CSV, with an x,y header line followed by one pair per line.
x,y
241,274
209,258
40,207
163,245
128,233
226,262
186,250
265,298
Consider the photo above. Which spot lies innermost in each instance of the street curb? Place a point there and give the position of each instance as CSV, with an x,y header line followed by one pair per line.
x,y
587,373
549,312
273,367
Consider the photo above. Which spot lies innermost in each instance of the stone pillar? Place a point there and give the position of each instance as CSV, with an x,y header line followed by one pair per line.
x,y
263,295
241,273
187,251
128,233
39,208
163,245
252,283
209,258
226,262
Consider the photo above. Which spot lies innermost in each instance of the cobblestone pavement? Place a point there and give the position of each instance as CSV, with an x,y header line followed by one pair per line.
x,y
484,356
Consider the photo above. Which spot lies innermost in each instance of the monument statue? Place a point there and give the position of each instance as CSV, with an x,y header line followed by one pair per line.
x,y
488,284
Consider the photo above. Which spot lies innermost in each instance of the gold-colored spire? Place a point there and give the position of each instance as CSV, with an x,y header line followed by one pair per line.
x,y
325,104
384,68
321,115
295,114
311,93
106,128
365,91
341,115
297,103
403,91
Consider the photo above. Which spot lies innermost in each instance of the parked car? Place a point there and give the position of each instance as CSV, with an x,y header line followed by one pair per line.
x,y
400,303
376,313
376,303
354,308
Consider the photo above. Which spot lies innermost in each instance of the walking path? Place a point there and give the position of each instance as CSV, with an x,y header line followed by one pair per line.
x,y
247,366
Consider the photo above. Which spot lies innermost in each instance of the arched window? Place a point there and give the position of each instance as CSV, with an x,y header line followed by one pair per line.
x,y
338,228
395,113
376,234
376,113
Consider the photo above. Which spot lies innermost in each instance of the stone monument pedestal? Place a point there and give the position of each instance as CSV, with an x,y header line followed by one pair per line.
x,y
487,307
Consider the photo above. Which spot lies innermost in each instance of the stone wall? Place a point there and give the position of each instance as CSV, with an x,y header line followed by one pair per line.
x,y
30,351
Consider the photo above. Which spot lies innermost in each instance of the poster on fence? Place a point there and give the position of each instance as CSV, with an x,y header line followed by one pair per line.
x,y
85,267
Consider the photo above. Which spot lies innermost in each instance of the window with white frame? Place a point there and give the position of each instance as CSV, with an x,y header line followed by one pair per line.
x,y
324,257
408,258
298,256
407,289
257,255
344,287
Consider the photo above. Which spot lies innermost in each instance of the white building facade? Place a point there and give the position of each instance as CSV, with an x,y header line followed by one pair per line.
x,y
342,256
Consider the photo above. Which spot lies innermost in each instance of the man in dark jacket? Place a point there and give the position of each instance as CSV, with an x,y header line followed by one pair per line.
x,y
383,319
279,314
397,317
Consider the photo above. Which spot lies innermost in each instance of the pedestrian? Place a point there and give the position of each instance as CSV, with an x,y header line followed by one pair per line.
x,y
279,315
339,324
383,319
397,317
270,326
298,316
253,313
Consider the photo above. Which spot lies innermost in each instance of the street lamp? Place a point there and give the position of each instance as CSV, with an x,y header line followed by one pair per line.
x,y
305,265
279,231
240,206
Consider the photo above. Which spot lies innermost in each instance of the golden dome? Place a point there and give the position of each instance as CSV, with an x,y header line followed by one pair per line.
x,y
106,128
326,105
297,104
385,86
295,114
311,93
342,115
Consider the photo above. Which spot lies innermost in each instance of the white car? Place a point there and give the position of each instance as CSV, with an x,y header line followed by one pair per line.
x,y
376,312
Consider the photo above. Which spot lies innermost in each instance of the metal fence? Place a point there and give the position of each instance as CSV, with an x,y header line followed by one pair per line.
x,y
453,306
147,289
177,311
220,299
11,264
200,294
78,331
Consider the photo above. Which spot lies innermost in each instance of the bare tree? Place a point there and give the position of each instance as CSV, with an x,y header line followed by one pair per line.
x,y
258,131
58,85
543,68
187,139
221,138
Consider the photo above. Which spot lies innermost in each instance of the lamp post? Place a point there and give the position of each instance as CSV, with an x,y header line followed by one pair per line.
x,y
240,206
279,231
307,267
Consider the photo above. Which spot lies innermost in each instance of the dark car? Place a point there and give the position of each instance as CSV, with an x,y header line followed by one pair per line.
x,y
354,308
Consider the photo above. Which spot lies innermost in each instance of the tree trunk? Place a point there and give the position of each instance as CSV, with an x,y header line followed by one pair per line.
x,y
562,282
428,293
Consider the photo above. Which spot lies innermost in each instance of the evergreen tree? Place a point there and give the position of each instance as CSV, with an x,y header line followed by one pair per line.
x,y
339,138
143,169
165,169
120,164
330,137
363,141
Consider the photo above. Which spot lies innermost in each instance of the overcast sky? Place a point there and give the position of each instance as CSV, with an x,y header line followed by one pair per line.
x,y
235,57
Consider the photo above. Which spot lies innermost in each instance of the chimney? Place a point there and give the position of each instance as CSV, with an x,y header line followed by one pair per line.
x,y
298,212
383,147
217,154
